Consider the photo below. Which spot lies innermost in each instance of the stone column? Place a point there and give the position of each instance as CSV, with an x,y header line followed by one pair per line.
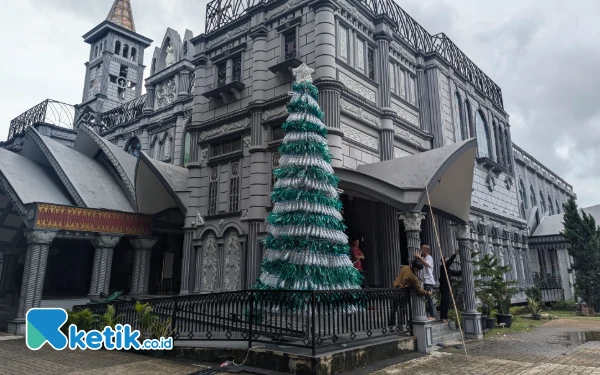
x,y
260,65
329,101
325,39
34,271
141,264
103,255
188,260
387,135
198,269
149,105
421,326
390,244
471,317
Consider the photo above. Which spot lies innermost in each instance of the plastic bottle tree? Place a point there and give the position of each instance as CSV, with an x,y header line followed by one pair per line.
x,y
306,247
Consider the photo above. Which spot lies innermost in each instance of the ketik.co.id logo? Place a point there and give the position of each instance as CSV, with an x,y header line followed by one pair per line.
x,y
43,326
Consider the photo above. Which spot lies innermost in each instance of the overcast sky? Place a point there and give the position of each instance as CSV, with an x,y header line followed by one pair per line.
x,y
544,54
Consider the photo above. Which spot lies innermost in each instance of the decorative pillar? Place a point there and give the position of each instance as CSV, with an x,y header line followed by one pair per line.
x,y
188,260
198,269
34,271
390,244
103,255
260,64
141,264
386,151
421,326
471,317
329,101
149,105
325,39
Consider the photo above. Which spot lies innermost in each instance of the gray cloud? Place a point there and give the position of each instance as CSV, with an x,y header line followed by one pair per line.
x,y
542,53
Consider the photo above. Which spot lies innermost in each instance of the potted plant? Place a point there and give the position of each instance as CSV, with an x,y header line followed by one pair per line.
x,y
160,329
493,287
144,320
110,317
487,301
535,307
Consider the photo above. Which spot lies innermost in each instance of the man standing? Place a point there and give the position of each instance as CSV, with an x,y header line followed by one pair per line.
x,y
445,287
428,280
407,278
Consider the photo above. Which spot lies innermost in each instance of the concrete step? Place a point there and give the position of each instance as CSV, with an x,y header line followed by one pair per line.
x,y
442,328
455,336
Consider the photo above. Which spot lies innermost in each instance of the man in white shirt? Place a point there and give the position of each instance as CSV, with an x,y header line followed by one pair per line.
x,y
428,279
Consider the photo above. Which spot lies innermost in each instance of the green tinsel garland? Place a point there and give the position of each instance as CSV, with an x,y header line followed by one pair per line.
x,y
305,147
305,107
311,89
290,194
310,172
285,243
304,126
305,218
318,274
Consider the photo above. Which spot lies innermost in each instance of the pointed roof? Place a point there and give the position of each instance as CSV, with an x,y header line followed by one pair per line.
x,y
122,15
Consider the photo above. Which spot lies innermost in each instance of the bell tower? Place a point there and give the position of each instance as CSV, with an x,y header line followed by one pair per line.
x,y
115,69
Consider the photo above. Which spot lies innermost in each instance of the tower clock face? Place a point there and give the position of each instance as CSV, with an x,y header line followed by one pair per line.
x,y
122,82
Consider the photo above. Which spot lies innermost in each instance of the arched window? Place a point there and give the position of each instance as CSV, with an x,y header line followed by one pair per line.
x,y
507,149
186,149
125,50
185,49
483,136
459,125
542,202
155,148
498,143
558,210
166,146
133,54
469,122
550,206
523,196
154,65
96,50
117,48
134,147
102,45
532,197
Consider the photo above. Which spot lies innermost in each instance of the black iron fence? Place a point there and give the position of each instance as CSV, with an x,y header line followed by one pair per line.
x,y
306,319
47,112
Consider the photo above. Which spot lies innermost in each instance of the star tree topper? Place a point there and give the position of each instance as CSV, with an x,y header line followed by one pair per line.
x,y
303,73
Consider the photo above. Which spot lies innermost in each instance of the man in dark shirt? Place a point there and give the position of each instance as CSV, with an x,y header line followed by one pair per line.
x,y
444,287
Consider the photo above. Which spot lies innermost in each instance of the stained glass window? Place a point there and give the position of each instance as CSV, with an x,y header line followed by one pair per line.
x,y
134,147
371,63
186,149
236,72
234,187
483,136
290,45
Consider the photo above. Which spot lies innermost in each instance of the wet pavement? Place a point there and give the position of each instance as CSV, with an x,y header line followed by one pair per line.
x,y
557,347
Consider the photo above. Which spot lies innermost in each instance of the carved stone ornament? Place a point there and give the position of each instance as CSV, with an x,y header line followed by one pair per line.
x,y
199,219
303,73
36,236
490,182
408,136
508,182
225,129
274,113
283,8
462,231
209,263
221,223
170,59
357,87
143,243
244,214
227,36
351,9
203,154
232,262
359,113
106,241
404,114
412,220
359,137
247,141
166,94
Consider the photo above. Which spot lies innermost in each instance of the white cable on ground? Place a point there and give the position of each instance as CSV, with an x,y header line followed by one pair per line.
x,y
232,362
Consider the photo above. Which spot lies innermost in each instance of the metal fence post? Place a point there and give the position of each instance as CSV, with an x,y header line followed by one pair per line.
x,y
314,323
251,318
173,315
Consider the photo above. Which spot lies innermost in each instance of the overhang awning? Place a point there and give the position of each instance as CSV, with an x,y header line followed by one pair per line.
x,y
159,186
447,172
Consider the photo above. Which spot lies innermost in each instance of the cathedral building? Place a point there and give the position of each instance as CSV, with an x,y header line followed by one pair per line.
x,y
167,192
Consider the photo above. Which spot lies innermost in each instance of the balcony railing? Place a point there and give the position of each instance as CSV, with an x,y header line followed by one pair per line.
x,y
48,112
124,114
547,280
305,319
220,13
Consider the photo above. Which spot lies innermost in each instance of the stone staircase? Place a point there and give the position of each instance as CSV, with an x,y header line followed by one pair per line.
x,y
444,332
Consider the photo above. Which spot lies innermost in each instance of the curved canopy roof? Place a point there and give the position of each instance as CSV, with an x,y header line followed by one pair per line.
x,y
447,172
553,225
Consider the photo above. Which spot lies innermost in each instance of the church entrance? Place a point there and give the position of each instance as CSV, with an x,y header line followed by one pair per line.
x,y
69,269
365,222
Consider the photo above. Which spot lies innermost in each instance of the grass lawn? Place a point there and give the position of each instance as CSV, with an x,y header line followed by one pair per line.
x,y
568,315
519,324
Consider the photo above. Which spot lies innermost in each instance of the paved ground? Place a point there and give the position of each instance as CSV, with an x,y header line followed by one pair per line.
x,y
553,348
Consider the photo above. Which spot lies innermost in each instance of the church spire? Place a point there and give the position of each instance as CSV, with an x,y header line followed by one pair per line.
x,y
122,15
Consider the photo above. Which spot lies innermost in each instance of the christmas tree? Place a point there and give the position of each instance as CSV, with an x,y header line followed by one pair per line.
x,y
306,248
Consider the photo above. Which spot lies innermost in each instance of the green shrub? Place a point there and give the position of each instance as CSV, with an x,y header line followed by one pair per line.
x,y
110,317
569,305
84,320
534,293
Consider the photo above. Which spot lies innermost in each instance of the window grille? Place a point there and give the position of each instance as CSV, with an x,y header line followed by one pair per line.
x,y
221,74
290,45
226,147
213,191
236,72
234,187
371,63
